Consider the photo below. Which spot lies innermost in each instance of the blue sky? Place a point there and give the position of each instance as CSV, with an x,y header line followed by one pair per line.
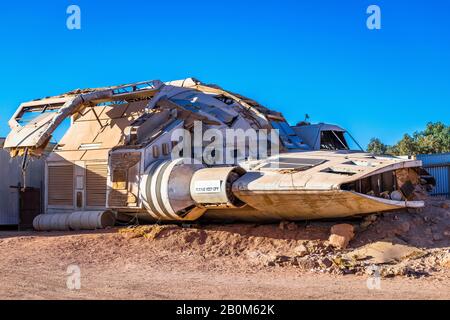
x,y
298,57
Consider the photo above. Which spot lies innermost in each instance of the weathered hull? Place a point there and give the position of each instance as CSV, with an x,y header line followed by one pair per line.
x,y
307,205
301,205
268,194
123,153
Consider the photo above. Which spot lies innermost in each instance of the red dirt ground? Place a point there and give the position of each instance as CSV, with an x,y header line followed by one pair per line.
x,y
243,261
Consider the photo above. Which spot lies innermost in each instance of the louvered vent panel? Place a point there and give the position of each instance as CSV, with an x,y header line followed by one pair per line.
x,y
96,178
60,185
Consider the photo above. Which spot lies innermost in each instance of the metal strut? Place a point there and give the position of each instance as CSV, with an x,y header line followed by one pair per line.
x,y
24,167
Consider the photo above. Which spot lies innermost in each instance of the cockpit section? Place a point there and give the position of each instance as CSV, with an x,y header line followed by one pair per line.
x,y
326,137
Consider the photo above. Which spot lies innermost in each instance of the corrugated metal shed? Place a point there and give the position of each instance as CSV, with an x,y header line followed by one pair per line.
x,y
11,175
435,159
438,165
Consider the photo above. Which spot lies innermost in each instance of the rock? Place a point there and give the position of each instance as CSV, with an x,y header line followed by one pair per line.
x,y
341,234
301,251
344,263
327,263
389,272
339,242
306,263
446,261
445,205
314,246
325,250
344,229
385,251
348,271
282,259
368,220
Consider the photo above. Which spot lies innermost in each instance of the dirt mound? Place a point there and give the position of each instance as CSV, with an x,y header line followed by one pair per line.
x,y
400,243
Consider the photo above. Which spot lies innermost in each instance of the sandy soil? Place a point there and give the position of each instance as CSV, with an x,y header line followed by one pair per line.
x,y
243,261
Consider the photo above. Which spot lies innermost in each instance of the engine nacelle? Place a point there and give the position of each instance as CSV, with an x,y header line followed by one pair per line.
x,y
174,191
212,187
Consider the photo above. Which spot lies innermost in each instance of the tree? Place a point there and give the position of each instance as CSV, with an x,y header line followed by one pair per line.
x,y
406,147
434,139
376,146
392,150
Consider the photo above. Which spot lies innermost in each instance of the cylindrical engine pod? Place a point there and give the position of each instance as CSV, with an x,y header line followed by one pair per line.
x,y
165,191
212,187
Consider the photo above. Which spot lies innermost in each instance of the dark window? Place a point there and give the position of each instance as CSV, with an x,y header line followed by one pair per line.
x,y
333,140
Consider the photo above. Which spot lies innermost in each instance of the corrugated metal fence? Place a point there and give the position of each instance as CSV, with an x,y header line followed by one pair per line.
x,y
438,165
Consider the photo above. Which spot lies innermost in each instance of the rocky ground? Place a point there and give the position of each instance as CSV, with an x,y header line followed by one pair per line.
x,y
399,255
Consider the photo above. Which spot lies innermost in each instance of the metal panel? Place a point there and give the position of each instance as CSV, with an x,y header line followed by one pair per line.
x,y
438,165
9,213
434,159
30,207
441,174
96,178
11,176
9,210
124,191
